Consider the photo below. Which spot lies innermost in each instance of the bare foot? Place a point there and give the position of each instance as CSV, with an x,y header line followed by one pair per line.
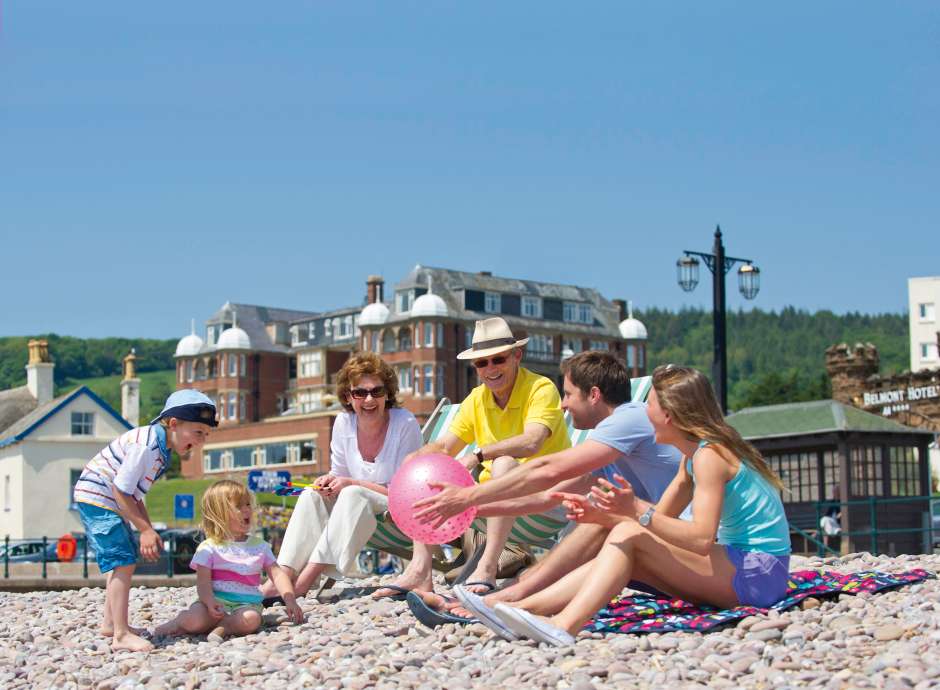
x,y
131,642
109,632
481,574
416,583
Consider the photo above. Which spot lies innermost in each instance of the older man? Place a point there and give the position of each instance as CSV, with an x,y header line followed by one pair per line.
x,y
512,416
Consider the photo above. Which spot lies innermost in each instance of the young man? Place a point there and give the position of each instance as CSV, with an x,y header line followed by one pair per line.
x,y
513,416
597,395
110,494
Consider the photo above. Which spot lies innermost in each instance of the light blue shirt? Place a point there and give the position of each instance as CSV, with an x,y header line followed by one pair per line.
x,y
647,465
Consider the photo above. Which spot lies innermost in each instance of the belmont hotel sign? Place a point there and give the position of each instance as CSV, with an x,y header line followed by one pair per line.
x,y
899,399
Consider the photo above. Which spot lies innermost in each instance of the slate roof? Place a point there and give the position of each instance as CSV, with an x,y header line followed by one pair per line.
x,y
253,319
816,417
449,285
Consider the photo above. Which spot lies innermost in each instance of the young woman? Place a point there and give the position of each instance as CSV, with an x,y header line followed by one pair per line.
x,y
736,499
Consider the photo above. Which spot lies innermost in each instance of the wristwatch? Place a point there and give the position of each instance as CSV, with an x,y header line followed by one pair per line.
x,y
647,516
479,454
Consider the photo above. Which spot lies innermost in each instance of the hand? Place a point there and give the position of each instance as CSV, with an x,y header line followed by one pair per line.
x,y
294,612
618,500
582,509
215,609
331,485
150,545
438,508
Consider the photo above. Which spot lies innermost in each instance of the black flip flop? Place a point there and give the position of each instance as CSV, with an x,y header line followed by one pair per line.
x,y
432,617
271,601
402,593
490,587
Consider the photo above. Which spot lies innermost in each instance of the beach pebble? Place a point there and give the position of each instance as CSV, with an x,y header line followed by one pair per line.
x,y
886,640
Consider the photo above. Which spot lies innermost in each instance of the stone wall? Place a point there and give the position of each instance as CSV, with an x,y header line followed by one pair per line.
x,y
911,398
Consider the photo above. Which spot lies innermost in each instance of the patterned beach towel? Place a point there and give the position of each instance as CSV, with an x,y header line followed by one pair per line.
x,y
645,613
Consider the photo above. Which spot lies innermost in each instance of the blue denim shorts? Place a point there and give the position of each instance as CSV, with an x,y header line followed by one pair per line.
x,y
109,535
760,578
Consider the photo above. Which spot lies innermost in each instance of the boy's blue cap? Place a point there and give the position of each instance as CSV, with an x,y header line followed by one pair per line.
x,y
189,405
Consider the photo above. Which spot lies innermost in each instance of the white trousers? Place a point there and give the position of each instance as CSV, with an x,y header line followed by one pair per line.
x,y
331,531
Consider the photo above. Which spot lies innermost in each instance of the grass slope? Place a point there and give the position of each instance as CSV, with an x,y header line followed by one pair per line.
x,y
155,386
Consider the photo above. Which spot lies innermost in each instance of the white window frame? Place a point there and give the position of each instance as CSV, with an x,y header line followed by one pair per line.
x,y
86,423
532,307
569,312
576,345
492,302
310,364
189,370
585,314
232,405
600,346
928,351
439,335
439,380
404,378
428,334
427,387
926,312
232,364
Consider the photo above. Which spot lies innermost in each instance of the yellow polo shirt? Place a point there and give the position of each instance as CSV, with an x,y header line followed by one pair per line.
x,y
534,398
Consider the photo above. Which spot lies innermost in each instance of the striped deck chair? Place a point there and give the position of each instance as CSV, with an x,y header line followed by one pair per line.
x,y
529,530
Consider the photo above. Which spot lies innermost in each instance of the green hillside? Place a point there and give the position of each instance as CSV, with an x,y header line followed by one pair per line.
x,y
155,386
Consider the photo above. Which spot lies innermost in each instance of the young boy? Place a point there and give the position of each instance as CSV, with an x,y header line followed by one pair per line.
x,y
110,493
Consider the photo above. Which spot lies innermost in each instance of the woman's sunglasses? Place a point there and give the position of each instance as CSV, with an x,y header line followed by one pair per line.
x,y
499,360
363,393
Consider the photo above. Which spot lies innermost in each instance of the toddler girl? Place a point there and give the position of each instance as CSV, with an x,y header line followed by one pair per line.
x,y
228,567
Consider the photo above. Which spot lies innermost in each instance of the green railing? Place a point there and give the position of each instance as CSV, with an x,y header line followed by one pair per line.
x,y
872,532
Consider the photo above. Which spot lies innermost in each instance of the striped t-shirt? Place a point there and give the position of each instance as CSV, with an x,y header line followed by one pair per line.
x,y
131,462
236,568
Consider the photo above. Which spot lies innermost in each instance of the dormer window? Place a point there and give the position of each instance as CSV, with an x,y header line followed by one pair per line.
x,y
532,307
210,335
574,312
312,330
403,300
492,303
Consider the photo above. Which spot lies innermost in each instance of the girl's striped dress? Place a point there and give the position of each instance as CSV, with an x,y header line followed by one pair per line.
x,y
236,568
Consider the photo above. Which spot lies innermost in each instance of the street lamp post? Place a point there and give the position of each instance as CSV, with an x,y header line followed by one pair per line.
x,y
748,284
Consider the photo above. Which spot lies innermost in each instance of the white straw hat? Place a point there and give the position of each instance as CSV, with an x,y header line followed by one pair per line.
x,y
490,337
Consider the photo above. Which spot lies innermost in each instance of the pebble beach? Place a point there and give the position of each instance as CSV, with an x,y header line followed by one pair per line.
x,y
886,640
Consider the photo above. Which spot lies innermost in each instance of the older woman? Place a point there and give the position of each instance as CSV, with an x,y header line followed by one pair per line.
x,y
333,520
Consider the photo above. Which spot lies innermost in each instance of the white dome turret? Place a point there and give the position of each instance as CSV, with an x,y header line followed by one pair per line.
x,y
429,304
374,314
234,338
189,345
630,328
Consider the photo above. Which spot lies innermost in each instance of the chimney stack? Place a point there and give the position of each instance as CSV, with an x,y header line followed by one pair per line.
x,y
130,390
39,371
621,309
375,287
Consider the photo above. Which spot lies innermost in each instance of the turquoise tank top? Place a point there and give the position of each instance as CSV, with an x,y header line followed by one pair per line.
x,y
752,515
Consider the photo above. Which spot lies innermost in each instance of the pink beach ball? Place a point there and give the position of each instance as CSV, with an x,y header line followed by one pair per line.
x,y
410,484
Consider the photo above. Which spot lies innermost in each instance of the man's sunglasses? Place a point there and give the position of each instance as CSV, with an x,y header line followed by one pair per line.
x,y
499,360
363,393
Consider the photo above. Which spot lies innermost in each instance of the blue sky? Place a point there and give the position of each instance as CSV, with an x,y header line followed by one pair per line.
x,y
159,160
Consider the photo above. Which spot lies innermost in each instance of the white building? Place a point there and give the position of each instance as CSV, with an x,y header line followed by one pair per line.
x,y
923,296
44,444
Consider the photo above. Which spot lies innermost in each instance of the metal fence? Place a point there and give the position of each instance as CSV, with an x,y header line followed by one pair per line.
x,y
167,564
872,533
